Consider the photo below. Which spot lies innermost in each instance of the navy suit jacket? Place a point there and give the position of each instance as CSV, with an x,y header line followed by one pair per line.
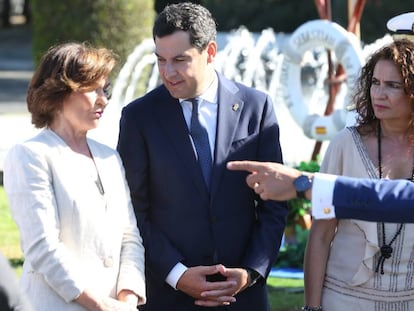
x,y
180,221
374,200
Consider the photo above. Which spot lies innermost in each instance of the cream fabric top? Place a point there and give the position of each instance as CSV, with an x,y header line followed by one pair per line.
x,y
75,234
355,248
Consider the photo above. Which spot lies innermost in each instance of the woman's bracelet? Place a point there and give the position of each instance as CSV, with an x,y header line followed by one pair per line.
x,y
307,308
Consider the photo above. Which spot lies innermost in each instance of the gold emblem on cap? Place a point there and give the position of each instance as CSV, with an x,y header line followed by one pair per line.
x,y
327,210
235,107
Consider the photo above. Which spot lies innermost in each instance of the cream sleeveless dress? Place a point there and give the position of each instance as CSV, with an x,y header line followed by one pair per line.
x,y
351,282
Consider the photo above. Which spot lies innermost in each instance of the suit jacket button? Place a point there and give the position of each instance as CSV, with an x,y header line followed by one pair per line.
x,y
108,262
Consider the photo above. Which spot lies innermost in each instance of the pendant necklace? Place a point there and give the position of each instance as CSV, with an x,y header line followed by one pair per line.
x,y
386,249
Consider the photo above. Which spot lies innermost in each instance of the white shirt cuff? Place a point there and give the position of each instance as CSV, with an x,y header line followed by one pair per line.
x,y
322,196
175,274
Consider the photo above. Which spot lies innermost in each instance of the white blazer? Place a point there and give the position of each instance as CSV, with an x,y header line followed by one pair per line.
x,y
73,237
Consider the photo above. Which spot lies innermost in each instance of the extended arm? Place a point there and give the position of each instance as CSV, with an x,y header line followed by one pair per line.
x,y
346,197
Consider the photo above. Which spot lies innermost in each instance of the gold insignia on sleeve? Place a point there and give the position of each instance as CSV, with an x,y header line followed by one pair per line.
x,y
327,210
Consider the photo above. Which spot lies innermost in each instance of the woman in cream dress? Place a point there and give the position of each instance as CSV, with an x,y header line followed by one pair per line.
x,y
358,265
68,193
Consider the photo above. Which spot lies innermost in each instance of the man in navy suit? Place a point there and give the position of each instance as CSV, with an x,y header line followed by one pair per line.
x,y
210,240
332,196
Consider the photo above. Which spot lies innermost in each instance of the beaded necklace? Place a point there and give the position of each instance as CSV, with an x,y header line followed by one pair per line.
x,y
386,249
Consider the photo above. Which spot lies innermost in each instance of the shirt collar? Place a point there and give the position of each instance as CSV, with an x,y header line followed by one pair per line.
x,y
210,94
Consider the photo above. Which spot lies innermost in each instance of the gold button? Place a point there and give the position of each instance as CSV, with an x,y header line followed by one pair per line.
x,y
327,210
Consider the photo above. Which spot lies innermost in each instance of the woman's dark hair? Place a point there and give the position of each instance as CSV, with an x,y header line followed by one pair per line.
x,y
64,69
401,53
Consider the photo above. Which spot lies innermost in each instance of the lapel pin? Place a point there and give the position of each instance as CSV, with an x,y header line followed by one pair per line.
x,y
235,107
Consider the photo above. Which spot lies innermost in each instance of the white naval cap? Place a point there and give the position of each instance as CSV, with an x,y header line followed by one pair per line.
x,y
402,24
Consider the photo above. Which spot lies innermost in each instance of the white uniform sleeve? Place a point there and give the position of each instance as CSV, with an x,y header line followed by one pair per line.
x,y
322,196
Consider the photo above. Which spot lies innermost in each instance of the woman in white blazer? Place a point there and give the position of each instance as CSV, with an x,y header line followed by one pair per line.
x,y
68,193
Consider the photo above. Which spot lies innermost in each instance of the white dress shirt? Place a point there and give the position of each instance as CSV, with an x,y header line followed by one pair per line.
x,y
207,112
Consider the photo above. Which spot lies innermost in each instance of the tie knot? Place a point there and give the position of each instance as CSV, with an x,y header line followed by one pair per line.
x,y
195,101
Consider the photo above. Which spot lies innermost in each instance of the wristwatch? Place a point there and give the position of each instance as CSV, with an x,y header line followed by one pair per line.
x,y
253,276
302,184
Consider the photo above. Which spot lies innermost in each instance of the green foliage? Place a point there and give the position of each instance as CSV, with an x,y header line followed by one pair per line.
x,y
282,16
292,253
116,24
374,17
287,15
297,209
160,4
296,233
300,207
10,238
285,283
285,294
311,166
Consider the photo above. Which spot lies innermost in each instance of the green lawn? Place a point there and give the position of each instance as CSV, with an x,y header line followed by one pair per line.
x,y
285,294
9,235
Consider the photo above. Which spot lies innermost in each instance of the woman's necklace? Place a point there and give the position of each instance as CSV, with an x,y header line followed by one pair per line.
x,y
386,249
